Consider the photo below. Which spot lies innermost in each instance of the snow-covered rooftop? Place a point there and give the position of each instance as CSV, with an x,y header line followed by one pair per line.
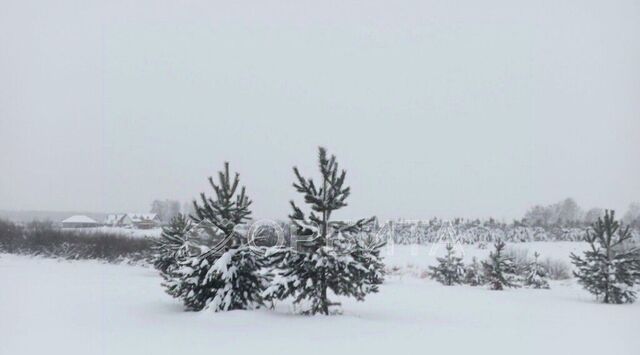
x,y
114,218
139,217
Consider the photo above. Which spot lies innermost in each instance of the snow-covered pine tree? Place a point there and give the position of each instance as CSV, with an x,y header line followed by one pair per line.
x,y
367,253
189,283
536,276
174,249
609,269
229,282
329,256
473,273
499,270
229,209
227,275
450,269
172,246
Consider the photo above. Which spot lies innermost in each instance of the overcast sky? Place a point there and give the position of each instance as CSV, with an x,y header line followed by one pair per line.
x,y
435,108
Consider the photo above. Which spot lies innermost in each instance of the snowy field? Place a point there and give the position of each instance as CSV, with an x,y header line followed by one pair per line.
x,y
128,232
422,256
85,307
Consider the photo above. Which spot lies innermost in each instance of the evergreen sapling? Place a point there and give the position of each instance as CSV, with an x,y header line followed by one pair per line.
x,y
536,276
328,256
609,269
172,246
473,273
499,270
226,275
450,269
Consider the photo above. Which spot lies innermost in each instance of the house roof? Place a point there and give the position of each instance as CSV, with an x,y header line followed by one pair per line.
x,y
141,217
114,218
79,219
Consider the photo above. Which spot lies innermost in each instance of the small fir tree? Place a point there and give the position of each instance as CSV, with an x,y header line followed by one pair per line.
x,y
367,253
329,255
610,268
219,217
172,246
499,270
233,281
450,269
473,273
536,276
238,271
189,283
226,275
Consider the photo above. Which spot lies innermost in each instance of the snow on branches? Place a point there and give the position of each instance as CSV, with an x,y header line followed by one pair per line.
x,y
227,275
450,269
499,270
330,256
610,268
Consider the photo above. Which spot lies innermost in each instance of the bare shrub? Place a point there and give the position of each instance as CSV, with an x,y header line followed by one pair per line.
x,y
557,269
41,238
10,236
520,258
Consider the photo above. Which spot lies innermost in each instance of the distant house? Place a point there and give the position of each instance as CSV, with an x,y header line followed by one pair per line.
x,y
144,220
118,220
133,220
79,221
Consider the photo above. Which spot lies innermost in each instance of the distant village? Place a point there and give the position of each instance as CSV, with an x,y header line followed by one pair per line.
x,y
125,220
161,212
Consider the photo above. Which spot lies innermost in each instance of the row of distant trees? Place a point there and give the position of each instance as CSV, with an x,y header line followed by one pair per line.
x,y
568,212
565,213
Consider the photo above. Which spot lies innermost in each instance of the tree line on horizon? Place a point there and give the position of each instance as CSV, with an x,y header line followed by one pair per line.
x,y
565,213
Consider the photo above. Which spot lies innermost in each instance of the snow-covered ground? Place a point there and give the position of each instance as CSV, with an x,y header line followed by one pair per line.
x,y
85,307
129,232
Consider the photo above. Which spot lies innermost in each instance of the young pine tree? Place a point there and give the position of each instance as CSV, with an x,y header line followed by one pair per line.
x,y
227,275
609,269
473,273
189,283
499,270
536,276
220,217
330,256
450,269
367,253
173,245
230,282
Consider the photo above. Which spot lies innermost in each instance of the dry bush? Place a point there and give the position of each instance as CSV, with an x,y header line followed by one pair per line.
x,y
41,238
521,258
557,269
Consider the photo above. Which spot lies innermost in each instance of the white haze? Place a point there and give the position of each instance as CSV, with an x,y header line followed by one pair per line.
x,y
469,108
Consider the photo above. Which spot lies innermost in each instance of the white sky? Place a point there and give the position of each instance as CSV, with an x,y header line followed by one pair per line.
x,y
466,108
